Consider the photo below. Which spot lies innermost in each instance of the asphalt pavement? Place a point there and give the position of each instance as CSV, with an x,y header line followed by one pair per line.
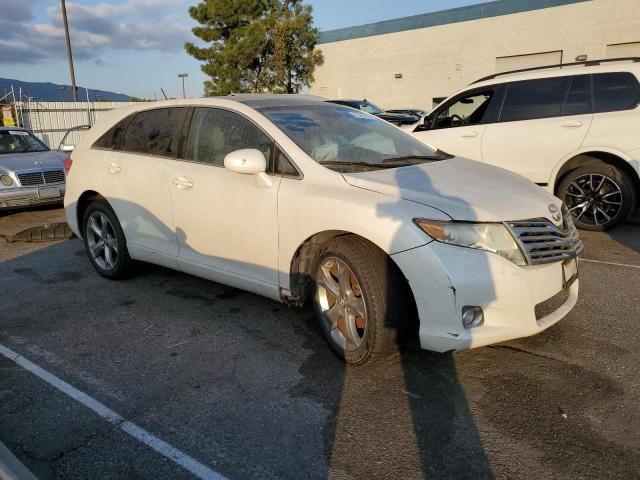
x,y
248,388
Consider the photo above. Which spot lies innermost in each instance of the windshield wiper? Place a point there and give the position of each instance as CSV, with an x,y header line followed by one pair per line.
x,y
339,163
411,159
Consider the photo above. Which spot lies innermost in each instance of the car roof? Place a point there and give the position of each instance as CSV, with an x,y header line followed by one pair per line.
x,y
4,129
622,65
273,100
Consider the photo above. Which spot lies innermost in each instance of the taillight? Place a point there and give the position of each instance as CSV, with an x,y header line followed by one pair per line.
x,y
67,164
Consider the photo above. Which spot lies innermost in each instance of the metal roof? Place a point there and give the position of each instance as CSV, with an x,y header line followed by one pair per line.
x,y
444,17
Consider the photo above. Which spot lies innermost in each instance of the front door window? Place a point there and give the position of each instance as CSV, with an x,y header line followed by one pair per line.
x,y
468,110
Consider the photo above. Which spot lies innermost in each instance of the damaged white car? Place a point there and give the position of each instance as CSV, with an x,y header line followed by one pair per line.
x,y
294,198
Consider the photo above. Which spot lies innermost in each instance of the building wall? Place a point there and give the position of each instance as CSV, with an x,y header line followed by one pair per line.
x,y
436,61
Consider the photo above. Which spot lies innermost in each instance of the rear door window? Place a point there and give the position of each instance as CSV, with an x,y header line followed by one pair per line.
x,y
614,92
579,97
214,133
113,136
155,132
530,99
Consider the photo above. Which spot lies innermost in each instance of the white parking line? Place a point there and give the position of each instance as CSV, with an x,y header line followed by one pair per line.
x,y
609,263
163,448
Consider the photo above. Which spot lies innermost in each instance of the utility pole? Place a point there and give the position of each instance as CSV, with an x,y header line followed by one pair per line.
x,y
183,76
74,95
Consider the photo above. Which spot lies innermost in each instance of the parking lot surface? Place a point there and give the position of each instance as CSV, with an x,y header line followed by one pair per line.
x,y
248,388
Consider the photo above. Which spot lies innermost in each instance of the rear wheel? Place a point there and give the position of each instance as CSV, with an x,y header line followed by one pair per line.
x,y
104,241
598,196
358,300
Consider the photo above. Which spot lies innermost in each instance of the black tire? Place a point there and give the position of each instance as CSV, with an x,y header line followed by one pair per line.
x,y
380,286
612,208
122,265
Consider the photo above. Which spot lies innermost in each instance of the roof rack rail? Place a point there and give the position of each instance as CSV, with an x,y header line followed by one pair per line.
x,y
588,63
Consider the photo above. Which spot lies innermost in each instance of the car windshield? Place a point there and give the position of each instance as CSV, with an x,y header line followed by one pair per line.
x,y
19,141
339,137
369,108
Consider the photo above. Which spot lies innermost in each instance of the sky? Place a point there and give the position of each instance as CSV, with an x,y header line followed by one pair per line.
x,y
137,46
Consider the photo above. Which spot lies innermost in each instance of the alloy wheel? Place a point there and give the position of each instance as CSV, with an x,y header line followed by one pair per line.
x,y
594,199
102,241
342,308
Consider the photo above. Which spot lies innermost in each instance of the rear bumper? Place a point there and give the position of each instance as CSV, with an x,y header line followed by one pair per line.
x,y
444,279
27,196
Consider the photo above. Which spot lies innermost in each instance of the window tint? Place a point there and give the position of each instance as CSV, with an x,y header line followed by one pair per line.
x,y
155,132
214,133
615,92
535,99
469,110
284,166
110,139
579,96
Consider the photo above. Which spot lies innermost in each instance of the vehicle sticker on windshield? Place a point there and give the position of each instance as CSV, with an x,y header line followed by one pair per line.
x,y
19,132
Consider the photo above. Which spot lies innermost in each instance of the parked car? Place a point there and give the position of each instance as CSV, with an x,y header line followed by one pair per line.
x,y
572,129
402,120
418,113
294,198
30,173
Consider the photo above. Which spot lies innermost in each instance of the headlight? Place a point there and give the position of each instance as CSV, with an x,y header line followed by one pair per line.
x,y
491,237
6,180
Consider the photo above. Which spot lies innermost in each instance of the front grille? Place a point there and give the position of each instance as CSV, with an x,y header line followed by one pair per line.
x,y
33,179
54,176
543,242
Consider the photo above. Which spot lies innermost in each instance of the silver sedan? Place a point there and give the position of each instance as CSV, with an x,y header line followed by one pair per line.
x,y
30,173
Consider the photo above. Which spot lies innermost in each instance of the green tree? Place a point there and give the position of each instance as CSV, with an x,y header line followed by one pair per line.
x,y
255,46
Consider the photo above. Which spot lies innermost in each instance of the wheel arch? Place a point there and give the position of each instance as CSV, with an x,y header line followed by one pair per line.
x,y
83,202
597,156
306,255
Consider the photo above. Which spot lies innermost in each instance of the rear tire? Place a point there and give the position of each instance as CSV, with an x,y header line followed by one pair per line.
x,y
599,196
104,241
359,300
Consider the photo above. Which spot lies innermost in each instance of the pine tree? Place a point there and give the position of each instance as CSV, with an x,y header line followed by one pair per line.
x,y
255,46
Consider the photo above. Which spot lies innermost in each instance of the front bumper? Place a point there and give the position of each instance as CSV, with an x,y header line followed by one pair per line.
x,y
446,278
27,196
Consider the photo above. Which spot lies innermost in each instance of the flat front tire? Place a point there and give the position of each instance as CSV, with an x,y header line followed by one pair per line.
x,y
358,300
104,241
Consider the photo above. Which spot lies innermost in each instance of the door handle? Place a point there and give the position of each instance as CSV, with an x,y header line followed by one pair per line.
x,y
182,183
470,135
114,168
572,124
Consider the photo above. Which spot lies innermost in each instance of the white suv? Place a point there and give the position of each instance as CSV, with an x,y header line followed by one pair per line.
x,y
294,198
574,129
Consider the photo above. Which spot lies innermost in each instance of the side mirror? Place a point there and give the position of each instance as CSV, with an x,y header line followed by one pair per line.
x,y
248,161
67,148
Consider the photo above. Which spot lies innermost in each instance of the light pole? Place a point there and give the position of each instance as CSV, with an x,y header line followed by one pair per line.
x,y
74,96
183,76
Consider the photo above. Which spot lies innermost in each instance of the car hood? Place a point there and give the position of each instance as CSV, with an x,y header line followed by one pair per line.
x,y
401,118
15,162
463,189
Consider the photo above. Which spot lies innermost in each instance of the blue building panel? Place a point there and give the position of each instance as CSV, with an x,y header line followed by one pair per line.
x,y
444,17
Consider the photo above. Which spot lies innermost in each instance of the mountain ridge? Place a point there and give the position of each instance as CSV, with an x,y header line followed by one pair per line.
x,y
47,91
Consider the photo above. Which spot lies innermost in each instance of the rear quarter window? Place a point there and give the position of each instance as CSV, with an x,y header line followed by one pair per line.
x,y
615,92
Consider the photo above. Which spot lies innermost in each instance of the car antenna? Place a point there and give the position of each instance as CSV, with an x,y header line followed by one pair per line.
x,y
165,95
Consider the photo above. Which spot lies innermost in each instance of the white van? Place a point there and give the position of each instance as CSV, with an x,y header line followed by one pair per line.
x,y
573,129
